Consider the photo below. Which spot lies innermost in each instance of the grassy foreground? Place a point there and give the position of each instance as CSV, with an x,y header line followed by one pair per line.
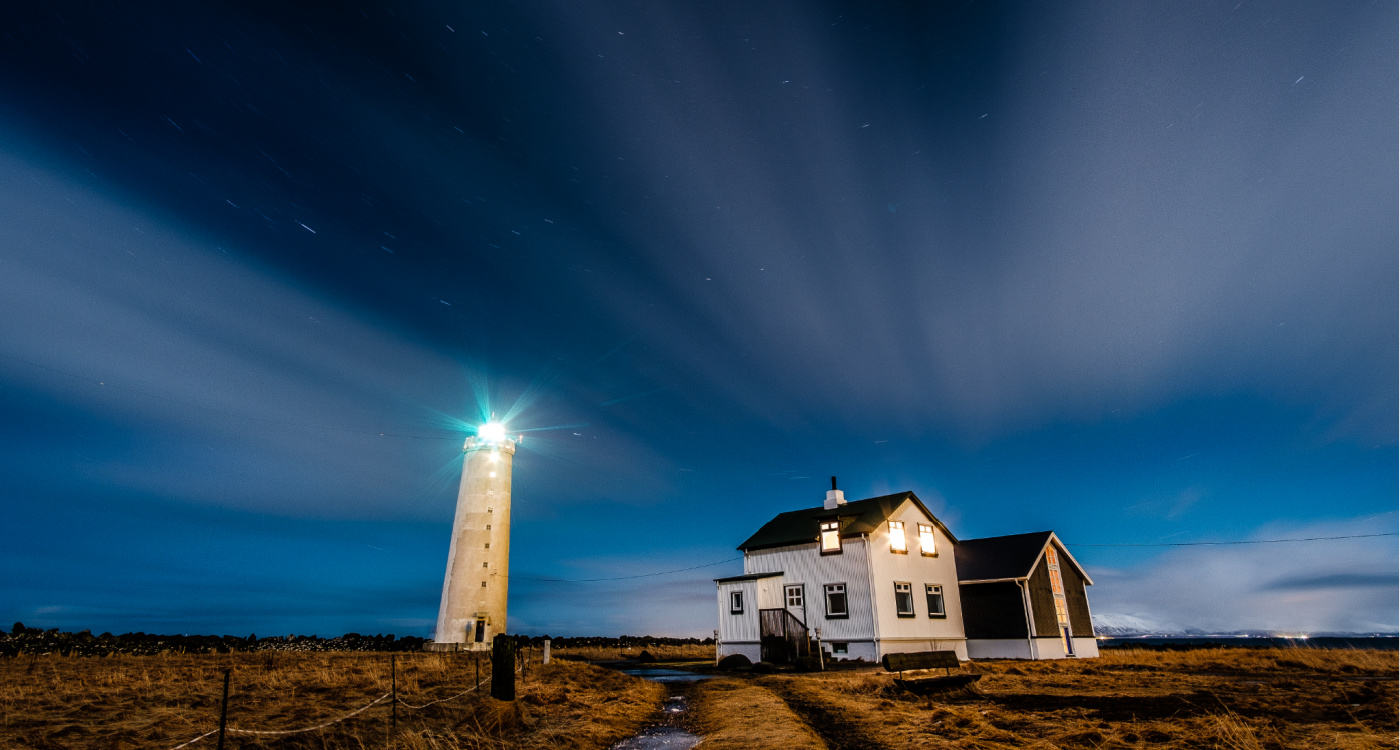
x,y
1235,699
121,702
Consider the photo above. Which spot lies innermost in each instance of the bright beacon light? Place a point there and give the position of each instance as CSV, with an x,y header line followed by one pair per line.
x,y
492,432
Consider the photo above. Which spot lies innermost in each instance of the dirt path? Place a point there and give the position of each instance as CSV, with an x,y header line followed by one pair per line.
x,y
837,730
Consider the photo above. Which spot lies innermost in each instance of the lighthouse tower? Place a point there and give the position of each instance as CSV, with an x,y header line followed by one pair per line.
x,y
478,561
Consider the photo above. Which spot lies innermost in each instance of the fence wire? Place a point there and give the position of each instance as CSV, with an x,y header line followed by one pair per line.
x,y
361,709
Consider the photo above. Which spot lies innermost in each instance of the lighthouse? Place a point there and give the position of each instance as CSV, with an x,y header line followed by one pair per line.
x,y
474,589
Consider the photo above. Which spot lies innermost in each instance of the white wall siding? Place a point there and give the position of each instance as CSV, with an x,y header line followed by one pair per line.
x,y
741,627
806,565
895,632
770,592
998,648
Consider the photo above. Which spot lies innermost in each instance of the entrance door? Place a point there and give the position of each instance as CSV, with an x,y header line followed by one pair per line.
x,y
795,599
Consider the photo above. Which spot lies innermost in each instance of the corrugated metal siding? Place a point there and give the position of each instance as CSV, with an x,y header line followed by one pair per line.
x,y
1043,601
916,569
806,565
743,627
993,610
1077,600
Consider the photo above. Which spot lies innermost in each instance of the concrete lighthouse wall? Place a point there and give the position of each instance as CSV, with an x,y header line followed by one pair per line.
x,y
478,561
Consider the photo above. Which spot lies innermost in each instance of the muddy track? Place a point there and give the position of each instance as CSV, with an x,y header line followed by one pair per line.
x,y
838,731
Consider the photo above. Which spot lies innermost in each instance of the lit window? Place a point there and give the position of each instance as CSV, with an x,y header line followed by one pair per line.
x,y
493,475
903,600
835,600
926,541
1050,556
897,541
736,602
934,594
831,537
1056,585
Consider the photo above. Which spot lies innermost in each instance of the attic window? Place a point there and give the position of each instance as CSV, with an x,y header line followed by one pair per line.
x,y
831,537
897,541
926,541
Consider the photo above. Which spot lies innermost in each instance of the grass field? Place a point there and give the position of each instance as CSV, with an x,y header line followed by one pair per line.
x,y
1234,699
122,702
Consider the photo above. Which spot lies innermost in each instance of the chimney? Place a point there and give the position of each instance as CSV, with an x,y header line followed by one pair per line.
x,y
834,497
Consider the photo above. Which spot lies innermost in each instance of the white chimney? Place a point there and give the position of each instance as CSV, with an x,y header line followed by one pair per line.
x,y
834,497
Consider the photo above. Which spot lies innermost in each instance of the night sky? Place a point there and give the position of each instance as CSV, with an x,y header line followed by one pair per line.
x,y
1126,271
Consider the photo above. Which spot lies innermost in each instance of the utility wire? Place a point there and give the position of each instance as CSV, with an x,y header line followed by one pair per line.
x,y
625,578
1252,541
1158,544
215,410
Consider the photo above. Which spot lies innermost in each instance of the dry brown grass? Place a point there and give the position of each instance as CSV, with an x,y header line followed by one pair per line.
x,y
161,701
1232,699
733,715
690,652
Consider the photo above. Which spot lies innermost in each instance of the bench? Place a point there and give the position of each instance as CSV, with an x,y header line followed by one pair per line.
x,y
923,685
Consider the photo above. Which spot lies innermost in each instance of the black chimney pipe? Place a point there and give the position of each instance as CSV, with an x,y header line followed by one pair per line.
x,y
833,483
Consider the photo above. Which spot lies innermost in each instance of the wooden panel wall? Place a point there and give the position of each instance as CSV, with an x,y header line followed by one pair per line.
x,y
993,610
1077,598
1043,602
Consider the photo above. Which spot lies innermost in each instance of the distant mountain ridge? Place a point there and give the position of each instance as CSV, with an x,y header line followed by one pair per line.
x,y
1116,625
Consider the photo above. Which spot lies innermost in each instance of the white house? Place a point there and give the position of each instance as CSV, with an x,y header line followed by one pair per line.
x,y
869,578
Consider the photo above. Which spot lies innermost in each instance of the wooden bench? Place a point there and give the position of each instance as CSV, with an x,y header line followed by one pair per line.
x,y
919,660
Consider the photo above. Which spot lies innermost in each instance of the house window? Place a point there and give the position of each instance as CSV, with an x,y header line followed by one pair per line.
x,y
903,599
926,547
736,602
934,594
897,541
1057,590
836,600
838,648
794,596
831,537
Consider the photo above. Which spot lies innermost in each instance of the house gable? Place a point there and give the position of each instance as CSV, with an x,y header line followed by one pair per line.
x,y
857,517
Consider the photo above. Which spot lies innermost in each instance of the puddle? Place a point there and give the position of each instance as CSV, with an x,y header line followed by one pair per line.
x,y
663,736
661,674
659,738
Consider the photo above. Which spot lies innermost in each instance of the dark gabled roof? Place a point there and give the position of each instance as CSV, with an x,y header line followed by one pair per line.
x,y
857,517
747,577
1002,558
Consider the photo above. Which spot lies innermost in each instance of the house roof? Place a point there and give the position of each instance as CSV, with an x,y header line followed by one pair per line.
x,y
857,517
747,577
1006,558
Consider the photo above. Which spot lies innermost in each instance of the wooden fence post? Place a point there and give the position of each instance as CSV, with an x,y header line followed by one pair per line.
x,y
394,690
503,667
544,657
223,711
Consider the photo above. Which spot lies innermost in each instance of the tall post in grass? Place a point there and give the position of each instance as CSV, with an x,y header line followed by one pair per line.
x,y
544,654
394,692
223,710
503,667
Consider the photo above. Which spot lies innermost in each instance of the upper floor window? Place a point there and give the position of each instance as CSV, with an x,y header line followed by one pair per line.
x,y
926,541
736,602
835,599
897,540
831,537
934,594
1050,557
903,599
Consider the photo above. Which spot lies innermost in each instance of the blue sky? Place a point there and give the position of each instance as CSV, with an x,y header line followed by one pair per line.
x,y
1127,273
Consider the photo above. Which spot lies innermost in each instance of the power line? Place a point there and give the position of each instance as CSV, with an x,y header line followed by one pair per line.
x,y
215,410
625,578
1252,541
1160,544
